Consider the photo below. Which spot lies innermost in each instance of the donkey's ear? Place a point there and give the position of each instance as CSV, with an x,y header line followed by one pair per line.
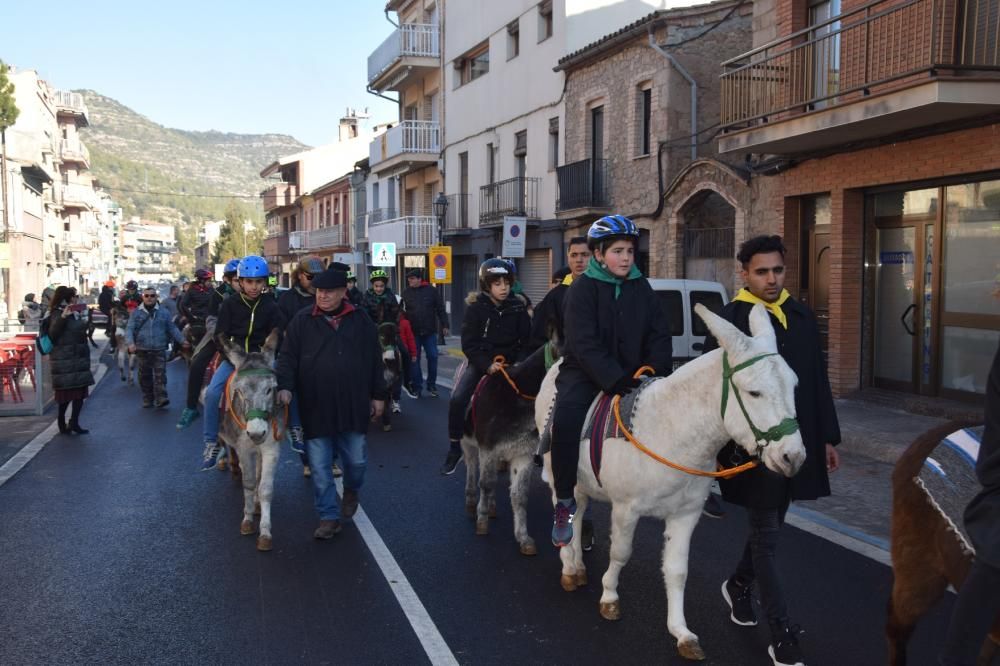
x,y
730,338
235,354
761,328
271,344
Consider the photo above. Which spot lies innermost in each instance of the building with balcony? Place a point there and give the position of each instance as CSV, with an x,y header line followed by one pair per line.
x,y
327,220
878,163
640,105
403,175
297,188
148,250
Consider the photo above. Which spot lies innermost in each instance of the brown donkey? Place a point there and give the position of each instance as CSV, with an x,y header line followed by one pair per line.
x,y
928,552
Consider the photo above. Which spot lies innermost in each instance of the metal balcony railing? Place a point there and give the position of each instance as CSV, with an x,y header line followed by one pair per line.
x,y
517,197
584,184
77,194
854,54
314,239
70,101
410,39
412,232
409,136
73,150
162,248
382,215
457,216
714,243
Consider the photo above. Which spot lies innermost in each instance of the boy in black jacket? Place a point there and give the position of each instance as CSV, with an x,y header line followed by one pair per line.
x,y
496,324
245,319
613,325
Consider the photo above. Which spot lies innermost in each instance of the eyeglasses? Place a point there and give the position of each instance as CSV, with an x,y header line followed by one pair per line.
x,y
308,276
149,295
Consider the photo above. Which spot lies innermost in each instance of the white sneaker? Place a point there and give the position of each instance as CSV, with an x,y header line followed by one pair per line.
x,y
396,408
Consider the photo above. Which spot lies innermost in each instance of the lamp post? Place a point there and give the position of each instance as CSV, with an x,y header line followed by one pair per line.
x,y
441,209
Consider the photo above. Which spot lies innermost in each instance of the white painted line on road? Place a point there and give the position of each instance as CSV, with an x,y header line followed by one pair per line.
x,y
423,626
25,455
808,521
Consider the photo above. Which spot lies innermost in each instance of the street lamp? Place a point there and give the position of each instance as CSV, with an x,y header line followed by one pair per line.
x,y
440,210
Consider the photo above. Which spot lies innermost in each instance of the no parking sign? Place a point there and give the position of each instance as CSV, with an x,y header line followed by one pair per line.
x,y
440,264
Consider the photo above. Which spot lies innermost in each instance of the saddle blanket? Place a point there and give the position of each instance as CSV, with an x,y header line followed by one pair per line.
x,y
949,477
601,423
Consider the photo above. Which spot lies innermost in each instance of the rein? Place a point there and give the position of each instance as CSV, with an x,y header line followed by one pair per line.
x,y
786,427
253,413
503,370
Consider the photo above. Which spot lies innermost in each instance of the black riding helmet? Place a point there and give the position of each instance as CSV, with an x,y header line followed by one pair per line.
x,y
494,268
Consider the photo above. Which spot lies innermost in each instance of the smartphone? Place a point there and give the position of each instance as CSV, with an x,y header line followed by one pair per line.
x,y
78,307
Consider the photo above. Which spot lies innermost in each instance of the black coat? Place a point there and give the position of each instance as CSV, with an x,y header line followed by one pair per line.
x,y
381,309
354,296
549,309
334,373
246,325
70,356
216,297
490,330
293,300
800,346
611,338
106,300
982,517
424,309
195,304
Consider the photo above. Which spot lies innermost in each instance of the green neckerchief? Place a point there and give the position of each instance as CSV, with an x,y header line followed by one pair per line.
x,y
379,297
598,272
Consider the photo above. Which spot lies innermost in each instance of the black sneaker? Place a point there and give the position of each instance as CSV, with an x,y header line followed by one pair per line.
x,y
432,391
740,602
451,462
587,535
410,391
784,649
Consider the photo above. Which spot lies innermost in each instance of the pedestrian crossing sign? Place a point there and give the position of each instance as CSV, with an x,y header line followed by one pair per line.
x,y
383,254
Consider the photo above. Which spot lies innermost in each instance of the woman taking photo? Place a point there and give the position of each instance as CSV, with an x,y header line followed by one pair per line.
x,y
71,376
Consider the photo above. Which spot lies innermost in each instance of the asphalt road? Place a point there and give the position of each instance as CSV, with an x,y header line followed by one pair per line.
x,y
114,548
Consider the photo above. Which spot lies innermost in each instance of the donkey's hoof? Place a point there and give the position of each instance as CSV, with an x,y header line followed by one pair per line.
x,y
568,582
581,578
263,544
482,527
529,548
611,610
691,650
247,528
470,509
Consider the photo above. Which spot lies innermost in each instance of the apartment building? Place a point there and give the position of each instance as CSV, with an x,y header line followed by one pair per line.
x,y
147,251
879,162
301,187
641,107
327,221
207,236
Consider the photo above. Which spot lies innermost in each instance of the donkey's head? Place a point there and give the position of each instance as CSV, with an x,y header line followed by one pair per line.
x,y
758,391
387,332
254,387
119,315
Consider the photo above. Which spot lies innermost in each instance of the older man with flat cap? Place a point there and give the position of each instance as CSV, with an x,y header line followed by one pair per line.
x,y
332,360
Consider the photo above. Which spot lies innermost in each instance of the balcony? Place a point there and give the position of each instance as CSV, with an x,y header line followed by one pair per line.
x,y
457,217
317,239
413,233
279,195
73,150
276,246
880,69
515,197
71,103
415,143
584,189
408,52
77,196
161,248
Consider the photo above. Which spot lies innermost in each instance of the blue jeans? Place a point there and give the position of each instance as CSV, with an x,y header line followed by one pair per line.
x,y
429,344
213,397
294,418
353,450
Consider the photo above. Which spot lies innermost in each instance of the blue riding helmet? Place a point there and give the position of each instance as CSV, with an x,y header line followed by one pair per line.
x,y
252,266
611,228
231,266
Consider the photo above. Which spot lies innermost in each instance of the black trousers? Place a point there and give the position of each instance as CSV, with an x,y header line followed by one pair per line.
x,y
196,373
758,562
977,606
574,394
460,397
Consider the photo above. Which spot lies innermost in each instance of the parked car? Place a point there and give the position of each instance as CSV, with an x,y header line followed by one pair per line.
x,y
678,298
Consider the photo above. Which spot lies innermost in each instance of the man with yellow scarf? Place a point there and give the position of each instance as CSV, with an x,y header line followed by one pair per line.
x,y
766,495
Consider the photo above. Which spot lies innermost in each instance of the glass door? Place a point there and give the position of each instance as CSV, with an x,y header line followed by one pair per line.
x,y
896,305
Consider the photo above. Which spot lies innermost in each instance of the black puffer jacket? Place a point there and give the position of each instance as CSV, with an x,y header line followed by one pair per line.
x,y
70,354
381,308
491,330
248,323
293,300
424,309
194,306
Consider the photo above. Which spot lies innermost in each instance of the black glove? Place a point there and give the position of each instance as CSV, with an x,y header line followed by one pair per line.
x,y
625,385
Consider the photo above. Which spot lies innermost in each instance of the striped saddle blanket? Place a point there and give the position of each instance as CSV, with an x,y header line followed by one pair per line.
x,y
601,423
949,477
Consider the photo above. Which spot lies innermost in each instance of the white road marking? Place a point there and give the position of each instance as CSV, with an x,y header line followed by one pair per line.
x,y
423,626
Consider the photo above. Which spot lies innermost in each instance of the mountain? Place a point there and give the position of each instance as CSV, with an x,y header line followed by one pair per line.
x,y
153,171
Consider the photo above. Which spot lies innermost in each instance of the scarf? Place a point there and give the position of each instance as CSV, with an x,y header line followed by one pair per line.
x,y
334,318
568,280
602,274
745,296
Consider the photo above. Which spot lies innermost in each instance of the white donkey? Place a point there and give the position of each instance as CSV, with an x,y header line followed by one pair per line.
x,y
252,428
126,362
743,391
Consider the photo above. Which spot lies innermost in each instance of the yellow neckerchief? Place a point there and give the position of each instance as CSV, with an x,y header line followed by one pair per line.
x,y
774,308
568,280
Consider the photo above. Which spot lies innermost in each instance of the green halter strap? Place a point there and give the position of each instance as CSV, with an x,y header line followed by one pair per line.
x,y
256,413
773,434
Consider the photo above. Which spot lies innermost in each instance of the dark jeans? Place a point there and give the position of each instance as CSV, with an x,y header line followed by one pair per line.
x,y
574,395
460,397
977,606
196,373
152,374
429,345
758,562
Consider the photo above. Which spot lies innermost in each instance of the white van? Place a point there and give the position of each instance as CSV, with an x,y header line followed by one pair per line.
x,y
678,298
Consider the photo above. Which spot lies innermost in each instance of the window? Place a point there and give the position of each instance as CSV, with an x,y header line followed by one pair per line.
x,y
643,117
491,164
475,63
673,305
711,300
513,39
544,20
553,143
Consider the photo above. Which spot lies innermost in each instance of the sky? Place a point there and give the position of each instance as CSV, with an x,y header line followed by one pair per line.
x,y
248,66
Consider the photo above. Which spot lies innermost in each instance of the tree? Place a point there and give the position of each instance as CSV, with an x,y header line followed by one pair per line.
x,y
240,236
8,116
